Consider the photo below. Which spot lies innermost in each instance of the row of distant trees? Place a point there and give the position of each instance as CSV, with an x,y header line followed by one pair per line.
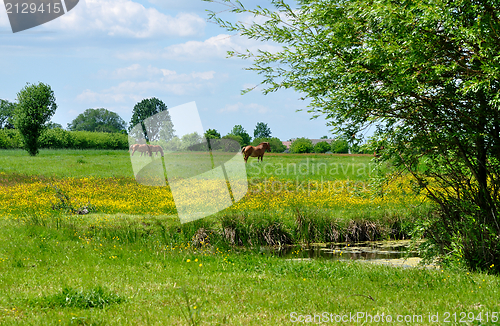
x,y
29,119
39,101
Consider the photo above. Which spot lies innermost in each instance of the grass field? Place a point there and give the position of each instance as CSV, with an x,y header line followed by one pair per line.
x,y
130,261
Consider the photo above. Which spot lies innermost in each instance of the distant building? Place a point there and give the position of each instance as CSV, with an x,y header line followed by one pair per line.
x,y
287,144
314,142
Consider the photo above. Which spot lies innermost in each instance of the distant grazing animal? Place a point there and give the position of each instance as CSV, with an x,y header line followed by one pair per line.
x,y
131,148
257,151
156,149
142,148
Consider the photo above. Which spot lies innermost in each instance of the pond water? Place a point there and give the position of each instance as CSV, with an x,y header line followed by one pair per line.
x,y
395,253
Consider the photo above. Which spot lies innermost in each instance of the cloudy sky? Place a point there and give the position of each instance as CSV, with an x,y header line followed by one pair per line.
x,y
114,53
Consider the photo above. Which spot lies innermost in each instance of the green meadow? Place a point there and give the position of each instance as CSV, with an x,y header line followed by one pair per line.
x,y
145,268
116,163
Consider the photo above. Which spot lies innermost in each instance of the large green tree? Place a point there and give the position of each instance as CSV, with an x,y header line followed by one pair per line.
x,y
97,120
261,130
238,130
7,114
158,128
426,73
36,104
212,134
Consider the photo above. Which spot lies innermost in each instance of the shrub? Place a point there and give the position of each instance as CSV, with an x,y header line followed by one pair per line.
x,y
55,138
64,139
10,138
301,145
340,146
99,140
4,140
322,147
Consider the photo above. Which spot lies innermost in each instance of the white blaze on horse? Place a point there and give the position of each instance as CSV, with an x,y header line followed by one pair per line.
x,y
257,151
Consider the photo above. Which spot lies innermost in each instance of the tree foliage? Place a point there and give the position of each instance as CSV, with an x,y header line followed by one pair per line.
x,y
53,125
238,130
158,128
239,139
322,147
426,73
212,134
262,130
301,145
7,114
189,140
97,120
276,144
36,105
340,146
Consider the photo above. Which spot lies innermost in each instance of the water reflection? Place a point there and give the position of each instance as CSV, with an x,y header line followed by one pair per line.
x,y
370,250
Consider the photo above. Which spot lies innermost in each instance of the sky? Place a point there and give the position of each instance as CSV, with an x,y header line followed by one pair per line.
x,y
113,53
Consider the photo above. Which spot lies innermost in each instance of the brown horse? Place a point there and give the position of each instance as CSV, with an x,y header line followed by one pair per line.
x,y
257,151
142,148
131,148
156,149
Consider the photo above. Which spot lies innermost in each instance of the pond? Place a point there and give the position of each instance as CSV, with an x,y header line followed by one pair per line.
x,y
395,253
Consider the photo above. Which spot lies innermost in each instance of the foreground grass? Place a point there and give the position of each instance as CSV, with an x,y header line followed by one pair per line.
x,y
151,279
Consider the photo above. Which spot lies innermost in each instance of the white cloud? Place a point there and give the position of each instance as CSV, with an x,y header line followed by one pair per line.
x,y
231,108
254,107
126,18
246,108
213,47
216,46
137,71
148,80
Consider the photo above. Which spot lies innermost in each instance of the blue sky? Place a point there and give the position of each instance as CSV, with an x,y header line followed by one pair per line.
x,y
114,53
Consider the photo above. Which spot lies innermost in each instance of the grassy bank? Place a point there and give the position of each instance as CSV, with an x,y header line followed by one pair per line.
x,y
72,272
